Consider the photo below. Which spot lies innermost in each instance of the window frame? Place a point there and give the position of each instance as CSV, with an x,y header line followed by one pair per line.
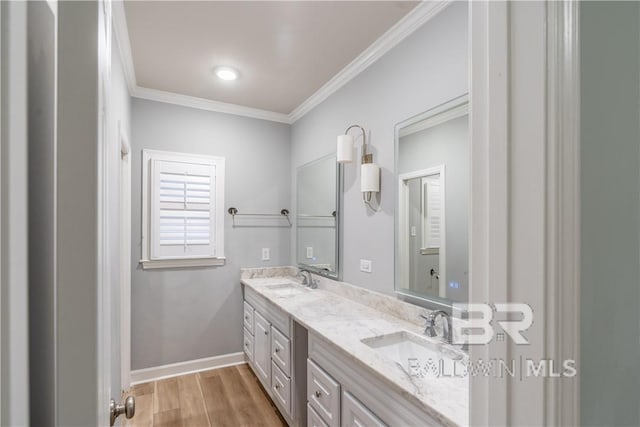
x,y
219,259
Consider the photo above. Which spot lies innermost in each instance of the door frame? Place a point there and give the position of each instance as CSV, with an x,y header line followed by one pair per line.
x,y
500,84
125,258
563,206
403,226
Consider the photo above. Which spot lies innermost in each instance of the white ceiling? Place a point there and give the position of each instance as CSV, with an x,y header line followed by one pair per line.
x,y
285,51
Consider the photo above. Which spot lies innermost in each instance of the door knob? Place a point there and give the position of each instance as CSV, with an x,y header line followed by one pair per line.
x,y
128,409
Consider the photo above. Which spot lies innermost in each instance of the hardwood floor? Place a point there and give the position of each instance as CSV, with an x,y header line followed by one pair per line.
x,y
229,396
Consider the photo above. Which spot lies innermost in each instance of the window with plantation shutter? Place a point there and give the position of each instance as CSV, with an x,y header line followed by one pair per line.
x,y
184,207
432,210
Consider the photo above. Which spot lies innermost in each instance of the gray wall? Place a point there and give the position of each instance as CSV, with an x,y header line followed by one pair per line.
x,y
446,144
610,156
187,314
428,68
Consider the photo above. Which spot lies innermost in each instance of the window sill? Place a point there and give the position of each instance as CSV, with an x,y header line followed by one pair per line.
x,y
182,263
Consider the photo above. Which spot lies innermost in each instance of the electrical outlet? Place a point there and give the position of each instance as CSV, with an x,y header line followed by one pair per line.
x,y
266,254
366,265
309,252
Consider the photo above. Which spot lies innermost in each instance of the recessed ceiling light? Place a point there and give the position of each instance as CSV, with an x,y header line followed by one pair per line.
x,y
226,73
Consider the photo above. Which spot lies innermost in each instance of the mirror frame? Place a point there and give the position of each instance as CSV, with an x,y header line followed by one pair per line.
x,y
432,302
335,275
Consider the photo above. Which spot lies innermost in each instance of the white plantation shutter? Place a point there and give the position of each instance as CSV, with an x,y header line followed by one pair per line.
x,y
432,210
183,210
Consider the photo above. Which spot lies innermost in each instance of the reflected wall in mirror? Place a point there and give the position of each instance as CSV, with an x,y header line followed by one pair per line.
x,y
432,210
316,216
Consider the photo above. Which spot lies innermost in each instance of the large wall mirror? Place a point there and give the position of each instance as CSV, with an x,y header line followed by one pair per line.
x,y
432,209
317,216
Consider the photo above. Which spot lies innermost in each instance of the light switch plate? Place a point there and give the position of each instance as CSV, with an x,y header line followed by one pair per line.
x,y
266,254
309,252
366,265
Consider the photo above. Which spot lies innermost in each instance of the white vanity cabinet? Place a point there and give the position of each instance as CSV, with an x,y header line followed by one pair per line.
x,y
342,392
269,346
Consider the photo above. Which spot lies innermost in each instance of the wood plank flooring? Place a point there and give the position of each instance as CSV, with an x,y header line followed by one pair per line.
x,y
229,396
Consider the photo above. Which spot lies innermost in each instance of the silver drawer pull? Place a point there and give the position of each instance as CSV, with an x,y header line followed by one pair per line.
x,y
277,386
266,332
277,350
318,394
246,344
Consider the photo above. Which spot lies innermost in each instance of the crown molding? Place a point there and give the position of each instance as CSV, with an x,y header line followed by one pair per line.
x,y
207,104
392,37
124,44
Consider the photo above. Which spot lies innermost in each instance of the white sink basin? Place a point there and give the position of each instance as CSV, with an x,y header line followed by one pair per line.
x,y
286,289
418,356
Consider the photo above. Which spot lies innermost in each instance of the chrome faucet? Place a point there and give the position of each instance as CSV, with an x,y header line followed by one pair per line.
x,y
308,280
430,327
305,280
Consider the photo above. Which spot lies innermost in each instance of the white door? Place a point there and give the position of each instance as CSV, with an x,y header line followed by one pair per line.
x,y
108,232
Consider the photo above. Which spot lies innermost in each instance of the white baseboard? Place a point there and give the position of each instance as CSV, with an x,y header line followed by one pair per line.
x,y
189,367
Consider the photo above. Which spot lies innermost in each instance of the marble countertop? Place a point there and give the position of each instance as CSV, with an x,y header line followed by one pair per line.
x,y
344,323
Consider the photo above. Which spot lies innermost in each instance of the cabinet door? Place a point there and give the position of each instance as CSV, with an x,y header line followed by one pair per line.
x,y
355,414
262,349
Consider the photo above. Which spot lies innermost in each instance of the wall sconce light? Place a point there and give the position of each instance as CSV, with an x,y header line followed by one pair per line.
x,y
369,171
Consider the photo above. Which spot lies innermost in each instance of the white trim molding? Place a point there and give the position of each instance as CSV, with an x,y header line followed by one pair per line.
x,y
121,32
182,263
207,104
189,367
489,207
563,208
524,213
392,37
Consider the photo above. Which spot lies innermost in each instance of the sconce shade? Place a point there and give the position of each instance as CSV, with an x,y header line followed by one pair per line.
x,y
370,178
344,151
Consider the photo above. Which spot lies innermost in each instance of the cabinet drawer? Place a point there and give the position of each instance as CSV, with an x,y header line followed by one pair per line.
x,y
281,351
248,344
313,419
248,317
355,414
323,394
281,388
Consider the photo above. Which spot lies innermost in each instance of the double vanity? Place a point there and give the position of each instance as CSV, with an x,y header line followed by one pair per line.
x,y
340,355
334,354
